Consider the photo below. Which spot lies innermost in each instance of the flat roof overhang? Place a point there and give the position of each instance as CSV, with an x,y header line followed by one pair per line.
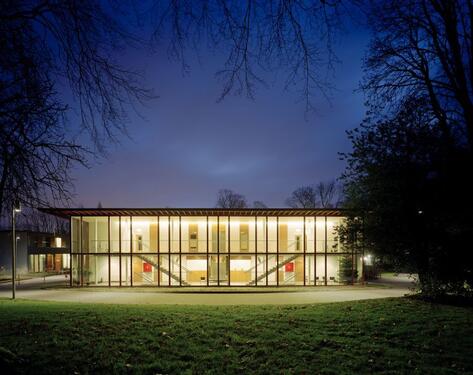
x,y
68,212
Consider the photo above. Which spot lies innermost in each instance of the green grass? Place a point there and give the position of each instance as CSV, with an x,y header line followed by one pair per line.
x,y
388,336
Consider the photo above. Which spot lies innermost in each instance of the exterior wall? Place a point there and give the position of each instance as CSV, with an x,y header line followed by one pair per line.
x,y
21,252
210,251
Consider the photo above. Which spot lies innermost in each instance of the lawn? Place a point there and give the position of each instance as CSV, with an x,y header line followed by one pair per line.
x,y
388,336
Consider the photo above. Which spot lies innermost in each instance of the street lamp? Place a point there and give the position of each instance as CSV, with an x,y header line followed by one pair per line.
x,y
16,208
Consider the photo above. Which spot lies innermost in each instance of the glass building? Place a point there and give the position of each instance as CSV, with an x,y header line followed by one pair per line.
x,y
208,247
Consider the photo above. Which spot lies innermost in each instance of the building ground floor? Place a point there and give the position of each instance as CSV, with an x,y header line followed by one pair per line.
x,y
216,270
55,263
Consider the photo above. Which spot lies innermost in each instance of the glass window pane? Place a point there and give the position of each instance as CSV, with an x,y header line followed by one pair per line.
x,y
309,233
291,234
213,246
95,234
164,263
145,234
223,234
242,269
242,234
114,270
261,234
261,268
320,234
174,274
291,270
75,234
95,270
309,270
223,269
320,269
333,242
194,234
333,268
272,269
114,234
213,270
75,270
145,270
194,269
126,270
125,234
272,234
163,234
174,234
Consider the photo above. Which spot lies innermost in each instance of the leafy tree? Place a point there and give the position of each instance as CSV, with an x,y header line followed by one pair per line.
x,y
346,273
229,199
400,179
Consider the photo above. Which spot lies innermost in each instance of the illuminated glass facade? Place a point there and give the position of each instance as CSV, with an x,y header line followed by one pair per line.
x,y
210,247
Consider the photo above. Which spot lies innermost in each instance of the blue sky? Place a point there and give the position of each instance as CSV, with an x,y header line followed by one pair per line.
x,y
186,146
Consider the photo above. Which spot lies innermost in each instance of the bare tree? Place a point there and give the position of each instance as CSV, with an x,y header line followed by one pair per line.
x,y
422,49
229,199
257,36
259,204
328,194
47,47
36,153
303,197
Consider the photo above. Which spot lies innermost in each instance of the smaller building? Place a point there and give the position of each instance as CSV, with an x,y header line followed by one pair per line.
x,y
36,252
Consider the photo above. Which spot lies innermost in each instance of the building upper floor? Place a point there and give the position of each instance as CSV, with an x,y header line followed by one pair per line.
x,y
204,230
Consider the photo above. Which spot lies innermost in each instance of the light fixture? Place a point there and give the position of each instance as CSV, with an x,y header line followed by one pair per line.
x,y
16,206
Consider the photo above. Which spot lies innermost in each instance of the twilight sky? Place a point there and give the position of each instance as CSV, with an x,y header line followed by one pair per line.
x,y
188,146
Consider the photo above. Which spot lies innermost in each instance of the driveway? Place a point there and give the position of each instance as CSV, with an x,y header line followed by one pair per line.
x,y
52,289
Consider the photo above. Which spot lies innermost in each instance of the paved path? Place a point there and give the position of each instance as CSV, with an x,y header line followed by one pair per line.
x,y
35,289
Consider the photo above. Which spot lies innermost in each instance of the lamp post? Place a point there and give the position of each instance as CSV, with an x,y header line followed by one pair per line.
x,y
15,209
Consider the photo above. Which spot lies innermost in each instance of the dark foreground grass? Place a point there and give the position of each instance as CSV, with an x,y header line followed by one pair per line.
x,y
389,336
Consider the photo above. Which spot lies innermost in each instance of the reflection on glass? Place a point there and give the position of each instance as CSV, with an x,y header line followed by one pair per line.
x,y
114,234
75,234
174,234
333,239
95,270
95,234
164,246
261,234
222,235
320,270
272,234
125,234
309,233
114,270
320,234
126,270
